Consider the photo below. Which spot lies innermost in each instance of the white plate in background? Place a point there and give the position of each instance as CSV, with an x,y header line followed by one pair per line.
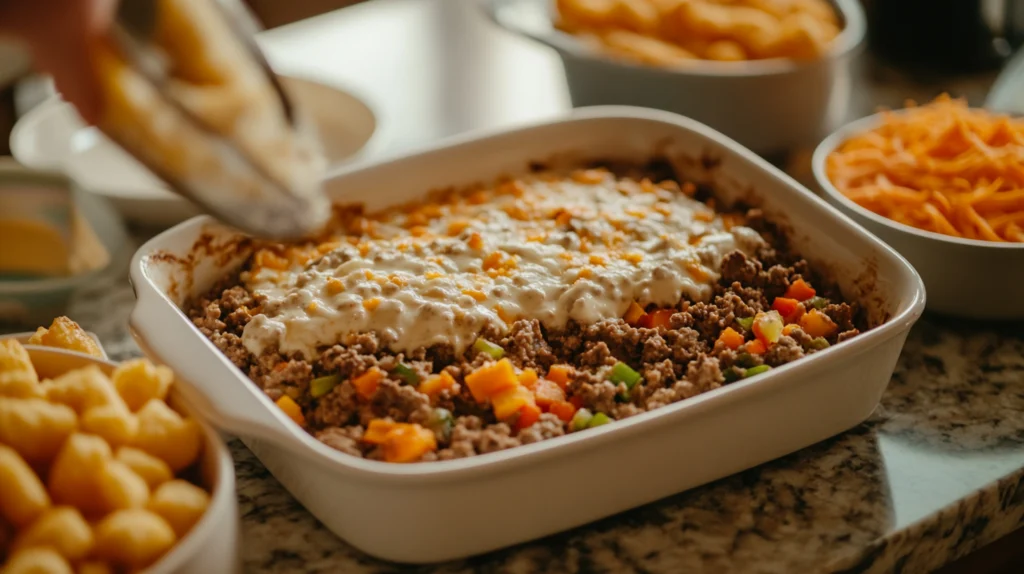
x,y
53,136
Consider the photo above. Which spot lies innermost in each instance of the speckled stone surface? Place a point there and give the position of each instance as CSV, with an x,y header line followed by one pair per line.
x,y
936,472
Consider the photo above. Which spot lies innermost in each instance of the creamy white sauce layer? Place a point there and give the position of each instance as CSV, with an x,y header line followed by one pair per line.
x,y
554,250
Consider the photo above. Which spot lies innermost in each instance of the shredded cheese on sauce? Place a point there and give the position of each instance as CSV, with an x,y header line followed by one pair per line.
x,y
556,249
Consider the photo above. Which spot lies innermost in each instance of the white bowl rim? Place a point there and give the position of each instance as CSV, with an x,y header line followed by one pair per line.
x,y
830,143
850,38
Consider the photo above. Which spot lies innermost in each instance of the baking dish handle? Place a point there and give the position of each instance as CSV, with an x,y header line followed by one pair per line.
x,y
208,381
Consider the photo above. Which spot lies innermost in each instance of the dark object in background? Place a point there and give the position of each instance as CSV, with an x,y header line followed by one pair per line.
x,y
944,36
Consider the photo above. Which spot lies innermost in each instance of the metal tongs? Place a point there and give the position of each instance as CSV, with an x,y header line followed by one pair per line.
x,y
279,212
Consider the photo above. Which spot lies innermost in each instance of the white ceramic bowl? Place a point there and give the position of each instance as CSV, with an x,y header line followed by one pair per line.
x,y
213,543
450,509
958,273
53,136
769,106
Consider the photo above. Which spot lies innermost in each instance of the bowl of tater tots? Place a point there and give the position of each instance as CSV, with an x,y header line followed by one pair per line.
x,y
103,469
771,74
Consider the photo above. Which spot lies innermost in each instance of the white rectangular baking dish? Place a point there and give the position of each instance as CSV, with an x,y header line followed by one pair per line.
x,y
445,510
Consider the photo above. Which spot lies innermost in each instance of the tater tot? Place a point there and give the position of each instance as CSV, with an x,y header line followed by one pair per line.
x,y
22,495
61,528
120,487
637,15
94,568
575,14
644,49
134,538
37,561
164,434
802,37
114,424
153,470
66,334
36,428
139,380
180,503
73,475
17,376
83,389
725,51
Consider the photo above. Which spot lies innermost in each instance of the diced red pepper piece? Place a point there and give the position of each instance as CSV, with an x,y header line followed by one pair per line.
x,y
576,401
731,338
491,379
790,309
547,393
563,410
366,384
527,416
655,319
800,290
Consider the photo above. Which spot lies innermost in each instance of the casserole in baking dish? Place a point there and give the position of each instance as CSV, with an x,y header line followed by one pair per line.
x,y
740,424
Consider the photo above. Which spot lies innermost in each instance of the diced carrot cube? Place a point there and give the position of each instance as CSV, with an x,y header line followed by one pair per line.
x,y
790,309
800,290
817,324
655,319
788,329
756,347
548,393
378,430
366,383
559,374
408,443
490,379
292,409
731,338
510,401
528,378
563,410
576,401
435,385
634,313
527,416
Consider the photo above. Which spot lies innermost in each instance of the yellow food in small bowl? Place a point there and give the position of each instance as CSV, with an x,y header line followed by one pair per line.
x,y
675,32
95,470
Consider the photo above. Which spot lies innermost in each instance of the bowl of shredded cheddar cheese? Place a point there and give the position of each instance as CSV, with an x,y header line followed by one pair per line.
x,y
943,183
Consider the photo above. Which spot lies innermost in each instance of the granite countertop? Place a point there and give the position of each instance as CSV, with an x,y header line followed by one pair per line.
x,y
935,473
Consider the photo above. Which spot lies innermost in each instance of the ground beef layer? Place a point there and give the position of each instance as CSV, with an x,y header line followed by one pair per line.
x,y
679,361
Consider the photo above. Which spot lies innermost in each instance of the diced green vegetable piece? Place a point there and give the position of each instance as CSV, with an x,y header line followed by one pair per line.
x,y
746,322
745,360
490,349
756,371
818,303
320,386
598,420
580,420
732,374
407,374
441,422
818,343
623,373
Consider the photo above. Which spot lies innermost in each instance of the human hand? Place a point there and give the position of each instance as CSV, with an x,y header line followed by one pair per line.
x,y
59,34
